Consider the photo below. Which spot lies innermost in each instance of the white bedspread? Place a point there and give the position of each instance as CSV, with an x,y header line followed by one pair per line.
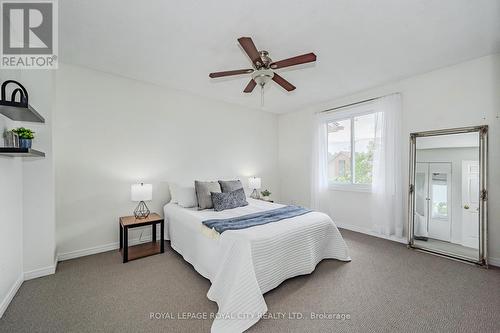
x,y
244,264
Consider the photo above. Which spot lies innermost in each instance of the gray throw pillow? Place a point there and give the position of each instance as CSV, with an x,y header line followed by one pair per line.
x,y
203,193
229,200
230,185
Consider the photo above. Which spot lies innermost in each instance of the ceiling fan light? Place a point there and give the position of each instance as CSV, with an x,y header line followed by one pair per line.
x,y
262,80
262,76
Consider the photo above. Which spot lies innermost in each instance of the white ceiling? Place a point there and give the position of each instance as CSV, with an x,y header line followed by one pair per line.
x,y
449,141
359,43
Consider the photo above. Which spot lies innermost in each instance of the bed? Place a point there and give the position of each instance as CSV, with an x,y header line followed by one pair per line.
x,y
244,264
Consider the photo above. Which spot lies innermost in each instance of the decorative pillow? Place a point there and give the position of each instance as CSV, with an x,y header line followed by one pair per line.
x,y
230,185
203,193
173,192
187,197
184,196
229,200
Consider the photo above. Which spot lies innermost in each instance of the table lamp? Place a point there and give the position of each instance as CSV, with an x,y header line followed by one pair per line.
x,y
140,193
254,184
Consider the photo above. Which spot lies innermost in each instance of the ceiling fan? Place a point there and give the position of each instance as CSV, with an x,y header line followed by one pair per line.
x,y
263,66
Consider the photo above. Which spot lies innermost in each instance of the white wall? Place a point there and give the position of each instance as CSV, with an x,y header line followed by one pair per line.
x,y
27,243
39,180
455,156
462,95
111,132
11,224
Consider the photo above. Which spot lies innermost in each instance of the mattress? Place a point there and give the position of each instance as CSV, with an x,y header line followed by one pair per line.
x,y
244,264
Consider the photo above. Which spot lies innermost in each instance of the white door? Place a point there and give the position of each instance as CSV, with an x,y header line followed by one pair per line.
x,y
440,201
421,224
470,204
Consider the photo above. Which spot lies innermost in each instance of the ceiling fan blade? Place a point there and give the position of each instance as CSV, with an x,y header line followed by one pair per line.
x,y
249,47
229,73
282,82
250,86
301,59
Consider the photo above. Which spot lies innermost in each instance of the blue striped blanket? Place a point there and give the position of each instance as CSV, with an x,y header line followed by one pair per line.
x,y
251,220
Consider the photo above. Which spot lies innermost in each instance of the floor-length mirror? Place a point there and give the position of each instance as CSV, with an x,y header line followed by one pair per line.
x,y
448,193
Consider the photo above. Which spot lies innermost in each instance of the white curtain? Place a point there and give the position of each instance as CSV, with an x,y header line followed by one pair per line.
x,y
387,203
319,177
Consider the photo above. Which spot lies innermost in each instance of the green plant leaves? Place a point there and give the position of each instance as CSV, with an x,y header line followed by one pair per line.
x,y
24,133
265,193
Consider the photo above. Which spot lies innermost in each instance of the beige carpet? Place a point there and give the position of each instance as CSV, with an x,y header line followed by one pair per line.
x,y
386,288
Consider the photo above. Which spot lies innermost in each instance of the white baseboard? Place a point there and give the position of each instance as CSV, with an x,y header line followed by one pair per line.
x,y
99,249
36,273
491,260
10,295
370,232
494,261
55,263
114,246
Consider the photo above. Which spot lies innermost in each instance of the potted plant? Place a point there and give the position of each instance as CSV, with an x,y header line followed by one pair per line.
x,y
265,195
25,136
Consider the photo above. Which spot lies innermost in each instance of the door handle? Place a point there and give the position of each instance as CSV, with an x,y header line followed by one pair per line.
x,y
466,207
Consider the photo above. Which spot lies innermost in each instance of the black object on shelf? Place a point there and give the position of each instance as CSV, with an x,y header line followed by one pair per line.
x,y
18,110
21,152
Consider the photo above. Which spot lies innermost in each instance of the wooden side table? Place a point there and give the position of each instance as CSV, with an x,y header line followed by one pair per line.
x,y
145,249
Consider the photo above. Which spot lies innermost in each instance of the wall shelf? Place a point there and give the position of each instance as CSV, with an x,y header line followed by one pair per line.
x,y
17,107
20,152
20,112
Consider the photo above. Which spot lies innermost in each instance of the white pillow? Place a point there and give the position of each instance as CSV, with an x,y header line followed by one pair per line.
x,y
184,196
173,193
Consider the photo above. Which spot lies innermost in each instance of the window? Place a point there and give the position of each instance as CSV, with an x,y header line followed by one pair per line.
x,y
339,151
439,196
351,144
342,168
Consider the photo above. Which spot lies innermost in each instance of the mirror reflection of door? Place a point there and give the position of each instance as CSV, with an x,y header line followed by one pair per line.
x,y
421,228
433,200
446,196
440,197
470,199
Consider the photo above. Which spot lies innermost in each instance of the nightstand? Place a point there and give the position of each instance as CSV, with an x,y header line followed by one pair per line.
x,y
145,249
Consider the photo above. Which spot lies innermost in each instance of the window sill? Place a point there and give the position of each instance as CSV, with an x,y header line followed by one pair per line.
x,y
350,187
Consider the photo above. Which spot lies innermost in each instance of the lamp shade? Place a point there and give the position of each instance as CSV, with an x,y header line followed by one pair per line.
x,y
141,192
254,183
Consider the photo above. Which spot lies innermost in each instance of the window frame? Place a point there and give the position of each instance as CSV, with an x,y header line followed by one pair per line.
x,y
344,114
